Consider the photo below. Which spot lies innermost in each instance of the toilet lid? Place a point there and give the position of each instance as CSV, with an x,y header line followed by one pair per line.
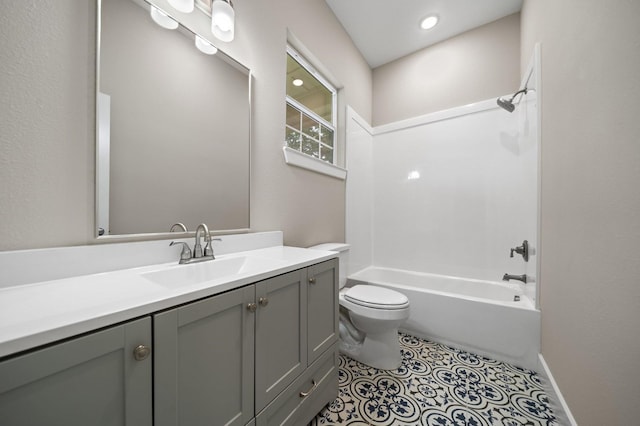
x,y
376,297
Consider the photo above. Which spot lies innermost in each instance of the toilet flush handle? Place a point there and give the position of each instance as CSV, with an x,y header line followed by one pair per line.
x,y
312,280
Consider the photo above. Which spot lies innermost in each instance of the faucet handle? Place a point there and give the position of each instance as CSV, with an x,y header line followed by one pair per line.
x,y
522,250
185,254
208,249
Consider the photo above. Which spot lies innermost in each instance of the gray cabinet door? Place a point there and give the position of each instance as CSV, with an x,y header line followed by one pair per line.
x,y
281,328
90,380
323,308
203,363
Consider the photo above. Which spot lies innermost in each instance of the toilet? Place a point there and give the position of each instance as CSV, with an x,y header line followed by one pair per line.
x,y
369,318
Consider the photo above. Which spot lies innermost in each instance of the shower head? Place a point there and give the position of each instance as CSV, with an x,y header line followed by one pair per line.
x,y
508,105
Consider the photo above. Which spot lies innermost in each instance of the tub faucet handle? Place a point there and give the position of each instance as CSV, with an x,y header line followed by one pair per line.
x,y
522,250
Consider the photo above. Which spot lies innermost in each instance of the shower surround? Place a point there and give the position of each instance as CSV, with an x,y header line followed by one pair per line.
x,y
448,194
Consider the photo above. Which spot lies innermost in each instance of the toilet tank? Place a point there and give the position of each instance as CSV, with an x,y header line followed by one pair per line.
x,y
343,257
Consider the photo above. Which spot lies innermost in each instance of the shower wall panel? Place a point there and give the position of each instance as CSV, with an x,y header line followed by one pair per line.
x,y
455,190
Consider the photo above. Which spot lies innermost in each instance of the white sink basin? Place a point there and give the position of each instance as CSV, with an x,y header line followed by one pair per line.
x,y
196,273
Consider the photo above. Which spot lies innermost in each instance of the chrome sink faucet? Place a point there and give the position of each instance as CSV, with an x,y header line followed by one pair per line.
x,y
187,256
197,248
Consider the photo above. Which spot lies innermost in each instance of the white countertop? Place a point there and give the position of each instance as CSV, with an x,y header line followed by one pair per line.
x,y
39,313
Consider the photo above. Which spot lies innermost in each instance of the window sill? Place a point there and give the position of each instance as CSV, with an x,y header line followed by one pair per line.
x,y
298,159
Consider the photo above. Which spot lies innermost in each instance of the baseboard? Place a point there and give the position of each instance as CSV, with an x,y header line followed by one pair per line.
x,y
556,400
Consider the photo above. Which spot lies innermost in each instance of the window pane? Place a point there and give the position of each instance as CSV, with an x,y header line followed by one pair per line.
x,y
310,127
310,147
293,117
308,90
327,136
292,138
326,154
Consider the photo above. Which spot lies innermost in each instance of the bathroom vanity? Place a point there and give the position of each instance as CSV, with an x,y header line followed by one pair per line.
x,y
187,346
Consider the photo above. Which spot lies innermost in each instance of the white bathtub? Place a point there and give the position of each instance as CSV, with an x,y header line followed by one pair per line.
x,y
478,316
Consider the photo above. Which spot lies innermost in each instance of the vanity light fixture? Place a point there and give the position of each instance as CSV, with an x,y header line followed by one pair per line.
x,y
429,22
297,82
184,6
162,19
223,20
205,47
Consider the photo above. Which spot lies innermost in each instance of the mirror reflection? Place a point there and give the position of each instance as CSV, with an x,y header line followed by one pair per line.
x,y
173,128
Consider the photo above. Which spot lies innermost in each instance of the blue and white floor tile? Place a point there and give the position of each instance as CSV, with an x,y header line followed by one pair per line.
x,y
437,386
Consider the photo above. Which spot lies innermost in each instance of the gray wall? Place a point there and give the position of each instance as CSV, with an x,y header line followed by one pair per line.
x,y
47,85
477,65
47,128
590,202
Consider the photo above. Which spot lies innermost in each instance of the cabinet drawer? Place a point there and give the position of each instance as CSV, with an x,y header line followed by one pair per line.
x,y
291,407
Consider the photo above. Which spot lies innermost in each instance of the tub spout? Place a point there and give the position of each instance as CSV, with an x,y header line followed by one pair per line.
x,y
507,277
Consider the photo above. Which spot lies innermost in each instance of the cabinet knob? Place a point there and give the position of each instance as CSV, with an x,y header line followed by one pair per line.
x,y
141,352
252,307
307,393
312,280
263,301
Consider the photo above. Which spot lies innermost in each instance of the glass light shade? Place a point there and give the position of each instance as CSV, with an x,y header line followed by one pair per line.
x,y
162,19
184,6
222,20
204,46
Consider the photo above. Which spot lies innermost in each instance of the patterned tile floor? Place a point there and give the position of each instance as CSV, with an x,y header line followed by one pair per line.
x,y
437,386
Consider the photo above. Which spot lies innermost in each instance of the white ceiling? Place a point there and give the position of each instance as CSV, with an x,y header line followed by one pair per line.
x,y
384,30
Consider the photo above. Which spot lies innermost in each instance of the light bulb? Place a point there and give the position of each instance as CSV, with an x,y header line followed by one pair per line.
x,y
222,20
204,46
162,19
297,82
184,6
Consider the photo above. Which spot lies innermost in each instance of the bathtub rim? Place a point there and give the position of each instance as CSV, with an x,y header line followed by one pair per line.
x,y
525,302
522,353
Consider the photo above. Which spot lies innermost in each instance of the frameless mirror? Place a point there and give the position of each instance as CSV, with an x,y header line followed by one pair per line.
x,y
173,128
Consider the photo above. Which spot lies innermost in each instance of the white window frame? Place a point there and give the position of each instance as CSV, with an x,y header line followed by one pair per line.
x,y
298,158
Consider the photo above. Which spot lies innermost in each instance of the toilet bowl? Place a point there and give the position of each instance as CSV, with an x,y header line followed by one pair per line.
x,y
375,313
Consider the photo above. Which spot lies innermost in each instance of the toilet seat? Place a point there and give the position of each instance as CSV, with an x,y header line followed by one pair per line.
x,y
375,297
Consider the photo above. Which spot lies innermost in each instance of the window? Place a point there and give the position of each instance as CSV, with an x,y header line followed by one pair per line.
x,y
311,110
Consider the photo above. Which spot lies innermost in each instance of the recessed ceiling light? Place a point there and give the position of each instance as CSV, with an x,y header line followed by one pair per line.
x,y
297,82
429,22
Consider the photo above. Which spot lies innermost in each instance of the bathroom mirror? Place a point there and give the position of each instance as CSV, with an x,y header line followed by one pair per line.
x,y
173,138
